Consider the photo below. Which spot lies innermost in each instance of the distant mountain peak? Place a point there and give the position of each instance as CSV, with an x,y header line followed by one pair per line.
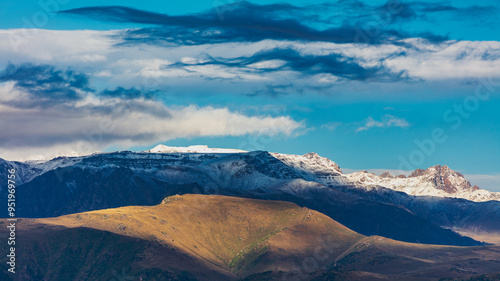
x,y
312,155
438,180
445,179
417,173
315,157
386,175
437,169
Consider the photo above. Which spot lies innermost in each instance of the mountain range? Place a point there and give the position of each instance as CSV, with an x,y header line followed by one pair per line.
x,y
432,206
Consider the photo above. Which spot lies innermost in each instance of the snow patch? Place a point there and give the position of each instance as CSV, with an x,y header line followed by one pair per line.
x,y
192,149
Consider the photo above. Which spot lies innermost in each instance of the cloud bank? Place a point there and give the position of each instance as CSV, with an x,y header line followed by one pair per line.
x,y
82,88
84,121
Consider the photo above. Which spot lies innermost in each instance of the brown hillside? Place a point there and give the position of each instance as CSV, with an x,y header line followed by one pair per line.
x,y
208,237
242,236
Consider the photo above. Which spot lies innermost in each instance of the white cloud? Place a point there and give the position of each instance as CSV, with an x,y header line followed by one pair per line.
x,y
92,124
270,64
62,46
386,122
96,52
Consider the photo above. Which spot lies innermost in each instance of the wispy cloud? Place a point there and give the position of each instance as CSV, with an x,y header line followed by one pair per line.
x,y
130,93
45,83
290,59
331,126
47,86
247,22
338,22
474,11
387,121
269,66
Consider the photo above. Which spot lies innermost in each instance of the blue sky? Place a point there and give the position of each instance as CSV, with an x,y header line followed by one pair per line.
x,y
368,84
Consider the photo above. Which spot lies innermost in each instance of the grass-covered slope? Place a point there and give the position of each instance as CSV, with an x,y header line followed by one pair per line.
x,y
208,237
243,236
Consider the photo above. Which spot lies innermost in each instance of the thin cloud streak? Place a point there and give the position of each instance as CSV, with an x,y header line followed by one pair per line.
x,y
387,121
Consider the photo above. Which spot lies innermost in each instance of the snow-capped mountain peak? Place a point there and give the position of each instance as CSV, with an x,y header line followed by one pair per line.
x,y
445,179
440,181
315,158
191,149
312,167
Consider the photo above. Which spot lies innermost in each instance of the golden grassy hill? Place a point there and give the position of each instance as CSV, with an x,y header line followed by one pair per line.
x,y
242,236
208,237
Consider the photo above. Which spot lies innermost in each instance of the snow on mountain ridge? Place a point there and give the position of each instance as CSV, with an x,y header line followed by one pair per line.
x,y
191,149
312,167
440,181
